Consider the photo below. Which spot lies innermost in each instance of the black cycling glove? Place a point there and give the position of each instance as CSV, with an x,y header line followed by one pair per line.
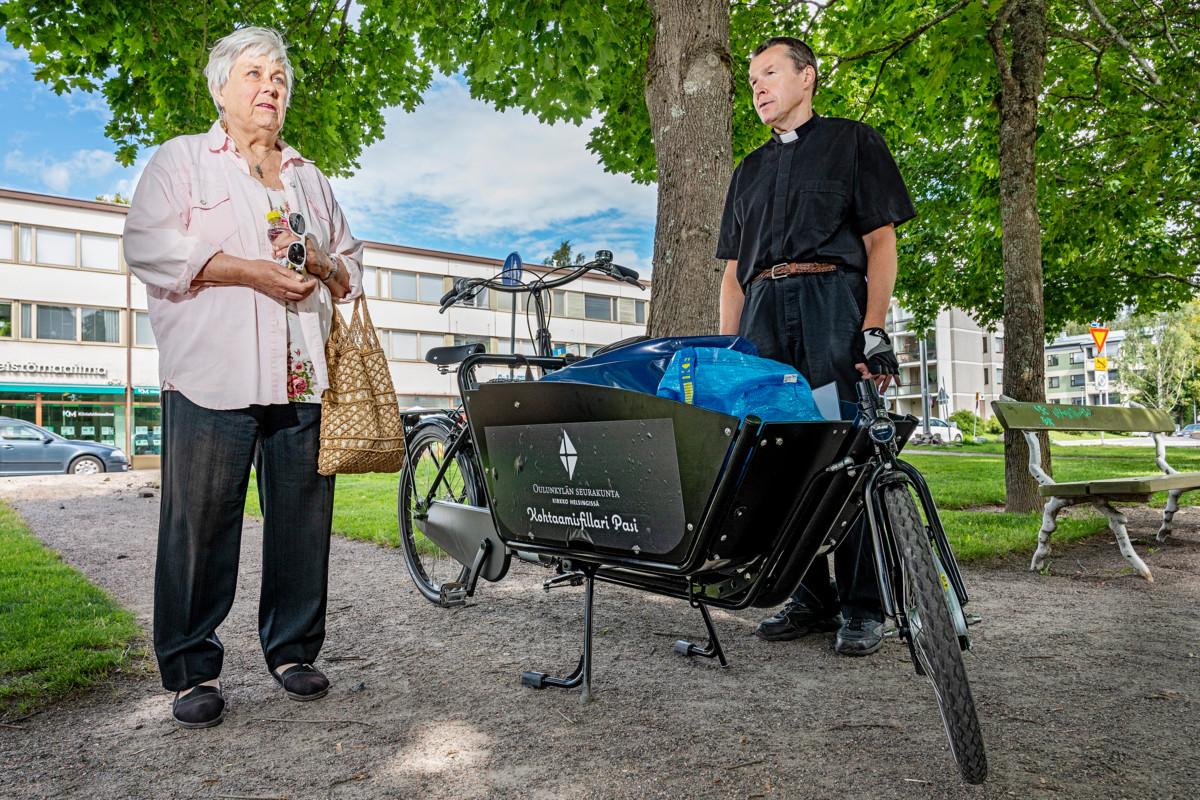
x,y
873,347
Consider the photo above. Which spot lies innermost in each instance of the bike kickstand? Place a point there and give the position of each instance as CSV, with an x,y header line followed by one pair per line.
x,y
582,674
711,649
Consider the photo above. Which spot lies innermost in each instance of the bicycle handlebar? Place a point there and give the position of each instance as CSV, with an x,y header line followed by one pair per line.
x,y
603,263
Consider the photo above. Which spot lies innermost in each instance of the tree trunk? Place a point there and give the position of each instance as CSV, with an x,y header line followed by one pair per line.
x,y
1024,22
689,94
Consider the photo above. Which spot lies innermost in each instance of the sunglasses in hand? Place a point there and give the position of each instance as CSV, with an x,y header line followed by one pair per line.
x,y
297,252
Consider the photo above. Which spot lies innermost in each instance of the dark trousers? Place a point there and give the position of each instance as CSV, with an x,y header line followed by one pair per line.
x,y
810,321
206,460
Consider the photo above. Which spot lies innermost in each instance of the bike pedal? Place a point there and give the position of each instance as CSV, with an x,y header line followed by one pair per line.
x,y
972,619
533,680
452,594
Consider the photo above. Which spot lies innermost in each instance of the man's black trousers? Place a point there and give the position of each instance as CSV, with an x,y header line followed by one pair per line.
x,y
206,462
811,321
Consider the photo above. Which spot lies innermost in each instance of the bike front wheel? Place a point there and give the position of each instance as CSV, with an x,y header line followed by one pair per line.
x,y
428,564
932,635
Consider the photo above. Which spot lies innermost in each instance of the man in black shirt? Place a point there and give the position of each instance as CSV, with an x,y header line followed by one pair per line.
x,y
809,237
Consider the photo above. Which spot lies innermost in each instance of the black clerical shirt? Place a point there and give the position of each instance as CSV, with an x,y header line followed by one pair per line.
x,y
811,198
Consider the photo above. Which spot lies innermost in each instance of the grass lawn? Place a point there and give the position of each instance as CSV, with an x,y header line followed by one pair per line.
x,y
365,505
59,632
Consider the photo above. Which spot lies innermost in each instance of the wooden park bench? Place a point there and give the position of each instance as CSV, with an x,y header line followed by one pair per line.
x,y
1029,418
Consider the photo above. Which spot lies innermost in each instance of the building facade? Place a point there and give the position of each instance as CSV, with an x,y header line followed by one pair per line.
x,y
77,352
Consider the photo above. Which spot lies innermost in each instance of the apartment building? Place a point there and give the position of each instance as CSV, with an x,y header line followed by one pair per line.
x,y
77,353
965,364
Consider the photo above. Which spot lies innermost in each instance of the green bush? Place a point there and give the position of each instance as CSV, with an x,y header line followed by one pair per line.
x,y
967,422
993,427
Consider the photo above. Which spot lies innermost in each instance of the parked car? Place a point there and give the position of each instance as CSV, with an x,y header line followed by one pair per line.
x,y
947,430
26,449
1192,430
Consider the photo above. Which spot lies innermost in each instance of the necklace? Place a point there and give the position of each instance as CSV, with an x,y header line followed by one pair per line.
x,y
257,167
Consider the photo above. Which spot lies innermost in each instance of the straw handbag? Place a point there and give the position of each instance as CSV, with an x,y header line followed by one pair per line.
x,y
360,420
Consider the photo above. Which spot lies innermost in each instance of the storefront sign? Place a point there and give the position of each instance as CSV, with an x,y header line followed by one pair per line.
x,y
70,412
36,368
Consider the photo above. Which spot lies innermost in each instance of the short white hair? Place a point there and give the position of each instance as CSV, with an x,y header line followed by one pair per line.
x,y
245,41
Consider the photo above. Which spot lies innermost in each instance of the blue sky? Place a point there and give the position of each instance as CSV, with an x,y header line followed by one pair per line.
x,y
454,175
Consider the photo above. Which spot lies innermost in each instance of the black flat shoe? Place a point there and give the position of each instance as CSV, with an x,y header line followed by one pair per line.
x,y
796,620
303,682
859,637
202,707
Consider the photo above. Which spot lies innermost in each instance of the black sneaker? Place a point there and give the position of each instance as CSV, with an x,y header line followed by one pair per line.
x,y
859,637
796,620
303,682
202,707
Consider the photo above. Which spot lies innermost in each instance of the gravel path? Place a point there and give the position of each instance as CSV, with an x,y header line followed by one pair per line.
x,y
1087,683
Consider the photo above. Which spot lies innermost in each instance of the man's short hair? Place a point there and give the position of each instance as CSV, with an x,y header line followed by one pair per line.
x,y
801,54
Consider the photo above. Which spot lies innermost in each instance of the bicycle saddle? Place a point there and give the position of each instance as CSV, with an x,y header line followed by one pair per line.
x,y
444,356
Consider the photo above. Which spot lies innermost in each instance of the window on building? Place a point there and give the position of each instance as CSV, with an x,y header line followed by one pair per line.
x,y
1114,399
25,240
999,376
597,306
402,286
6,320
999,344
1054,382
56,322
6,241
639,312
1077,380
55,247
466,338
408,345
1076,357
26,321
143,334
430,288
478,300
1076,401
1052,360
370,281
100,325
985,343
98,252
1091,351
985,376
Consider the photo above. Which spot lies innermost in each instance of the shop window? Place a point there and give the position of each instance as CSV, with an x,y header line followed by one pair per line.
x,y
6,241
6,320
147,430
56,322
100,325
597,307
99,252
55,247
143,333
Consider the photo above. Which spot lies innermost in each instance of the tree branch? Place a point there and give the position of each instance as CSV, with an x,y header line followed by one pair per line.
x,y
1144,63
995,36
899,44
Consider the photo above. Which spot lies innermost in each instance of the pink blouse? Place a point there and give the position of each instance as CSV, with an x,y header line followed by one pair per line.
x,y
226,346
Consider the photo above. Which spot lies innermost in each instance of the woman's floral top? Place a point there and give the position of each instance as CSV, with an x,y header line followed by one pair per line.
x,y
299,364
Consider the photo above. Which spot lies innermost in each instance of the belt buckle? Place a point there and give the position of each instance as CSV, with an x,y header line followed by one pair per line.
x,y
774,276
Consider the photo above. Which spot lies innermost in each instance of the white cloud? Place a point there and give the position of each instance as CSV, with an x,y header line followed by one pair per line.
x,y
59,174
477,174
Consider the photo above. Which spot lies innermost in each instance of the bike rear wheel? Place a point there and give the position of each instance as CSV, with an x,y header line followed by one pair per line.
x,y
932,634
428,564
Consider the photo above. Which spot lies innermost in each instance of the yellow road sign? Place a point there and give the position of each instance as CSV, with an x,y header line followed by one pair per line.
x,y
1101,362
1099,335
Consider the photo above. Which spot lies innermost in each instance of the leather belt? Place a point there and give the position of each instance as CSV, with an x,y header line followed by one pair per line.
x,y
792,268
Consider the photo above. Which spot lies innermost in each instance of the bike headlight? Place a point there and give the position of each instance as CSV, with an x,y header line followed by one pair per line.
x,y
882,431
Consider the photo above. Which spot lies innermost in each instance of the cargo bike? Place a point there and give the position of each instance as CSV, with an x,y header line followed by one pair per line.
x,y
601,483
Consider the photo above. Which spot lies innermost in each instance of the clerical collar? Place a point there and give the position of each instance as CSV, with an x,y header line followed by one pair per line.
x,y
787,137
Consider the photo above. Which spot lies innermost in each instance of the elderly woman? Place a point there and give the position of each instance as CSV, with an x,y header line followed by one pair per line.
x,y
243,251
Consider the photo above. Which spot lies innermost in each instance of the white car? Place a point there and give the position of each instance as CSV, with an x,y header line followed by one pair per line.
x,y
948,431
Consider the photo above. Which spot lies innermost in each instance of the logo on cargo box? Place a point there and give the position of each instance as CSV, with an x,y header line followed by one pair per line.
x,y
567,455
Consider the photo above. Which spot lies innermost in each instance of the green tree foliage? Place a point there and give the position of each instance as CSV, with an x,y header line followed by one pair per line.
x,y
147,59
1117,156
1160,357
561,257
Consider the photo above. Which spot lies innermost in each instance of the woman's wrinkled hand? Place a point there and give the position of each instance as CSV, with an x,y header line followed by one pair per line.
x,y
279,282
279,248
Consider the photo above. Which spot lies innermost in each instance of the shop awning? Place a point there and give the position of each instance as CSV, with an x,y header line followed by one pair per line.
x,y
142,391
69,388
